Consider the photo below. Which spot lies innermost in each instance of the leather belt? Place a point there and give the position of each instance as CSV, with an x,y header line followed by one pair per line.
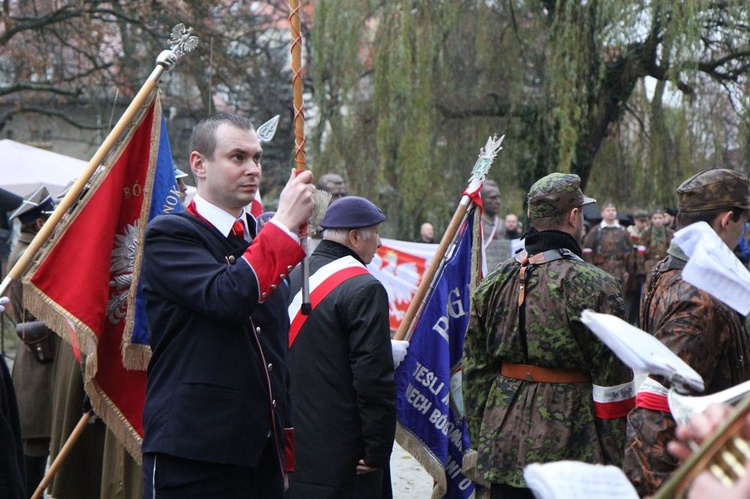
x,y
539,374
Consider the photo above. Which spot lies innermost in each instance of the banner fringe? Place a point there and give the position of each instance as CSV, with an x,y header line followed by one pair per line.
x,y
135,357
427,459
108,412
58,320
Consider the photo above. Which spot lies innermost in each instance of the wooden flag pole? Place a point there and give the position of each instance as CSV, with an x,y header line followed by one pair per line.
x,y
481,167
64,451
299,138
406,327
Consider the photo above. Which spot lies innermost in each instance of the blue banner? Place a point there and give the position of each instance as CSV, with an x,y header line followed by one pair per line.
x,y
428,381
165,198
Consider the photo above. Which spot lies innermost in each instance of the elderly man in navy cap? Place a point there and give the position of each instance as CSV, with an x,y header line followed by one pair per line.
x,y
341,363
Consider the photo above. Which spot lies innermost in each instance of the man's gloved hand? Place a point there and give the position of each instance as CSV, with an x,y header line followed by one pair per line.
x,y
4,300
398,349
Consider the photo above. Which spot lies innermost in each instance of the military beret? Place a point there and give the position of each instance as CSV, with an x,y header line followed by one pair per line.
x,y
38,204
352,212
714,189
555,194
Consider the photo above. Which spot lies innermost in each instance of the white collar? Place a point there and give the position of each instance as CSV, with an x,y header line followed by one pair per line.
x,y
217,217
614,225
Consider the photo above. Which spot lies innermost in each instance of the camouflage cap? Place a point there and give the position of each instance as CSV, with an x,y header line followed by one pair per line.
x,y
714,189
555,194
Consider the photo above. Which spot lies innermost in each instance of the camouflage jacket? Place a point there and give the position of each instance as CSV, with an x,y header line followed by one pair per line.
x,y
611,250
706,334
515,422
656,243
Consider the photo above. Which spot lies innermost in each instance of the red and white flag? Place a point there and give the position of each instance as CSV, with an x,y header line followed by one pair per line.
x,y
86,278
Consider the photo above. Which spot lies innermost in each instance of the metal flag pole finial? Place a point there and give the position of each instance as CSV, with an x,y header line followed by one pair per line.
x,y
182,40
487,155
268,129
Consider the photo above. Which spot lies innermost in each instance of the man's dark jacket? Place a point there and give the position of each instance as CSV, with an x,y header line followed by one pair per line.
x,y
217,380
342,386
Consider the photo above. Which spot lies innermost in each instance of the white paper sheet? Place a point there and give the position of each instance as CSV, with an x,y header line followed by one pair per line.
x,y
573,479
639,350
713,267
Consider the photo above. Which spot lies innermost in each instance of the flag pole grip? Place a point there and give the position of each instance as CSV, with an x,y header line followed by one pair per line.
x,y
165,62
419,296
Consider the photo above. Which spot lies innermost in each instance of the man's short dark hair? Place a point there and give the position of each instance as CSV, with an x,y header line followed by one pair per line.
x,y
203,138
549,223
689,218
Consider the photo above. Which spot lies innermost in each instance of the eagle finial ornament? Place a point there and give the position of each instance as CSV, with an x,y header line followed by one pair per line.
x,y
182,40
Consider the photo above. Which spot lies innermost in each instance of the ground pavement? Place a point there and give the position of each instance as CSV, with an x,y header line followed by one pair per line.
x,y
409,479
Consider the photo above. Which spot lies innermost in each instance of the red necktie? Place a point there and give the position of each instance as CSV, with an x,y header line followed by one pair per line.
x,y
238,229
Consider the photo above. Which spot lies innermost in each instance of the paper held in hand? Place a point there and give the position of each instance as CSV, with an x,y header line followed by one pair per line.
x,y
713,267
566,479
640,351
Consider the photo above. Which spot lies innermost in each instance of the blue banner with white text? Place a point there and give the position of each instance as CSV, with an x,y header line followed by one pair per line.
x,y
428,381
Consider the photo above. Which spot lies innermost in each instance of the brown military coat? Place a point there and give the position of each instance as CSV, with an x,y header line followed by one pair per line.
x,y
611,250
656,241
34,381
706,334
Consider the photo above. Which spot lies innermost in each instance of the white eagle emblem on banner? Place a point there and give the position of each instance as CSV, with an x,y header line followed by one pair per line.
x,y
121,272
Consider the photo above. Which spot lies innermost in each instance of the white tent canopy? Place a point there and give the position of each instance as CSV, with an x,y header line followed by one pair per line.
x,y
23,169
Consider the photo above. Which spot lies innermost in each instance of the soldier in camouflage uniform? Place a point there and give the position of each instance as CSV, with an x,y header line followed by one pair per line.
x,y
704,332
609,246
655,241
538,386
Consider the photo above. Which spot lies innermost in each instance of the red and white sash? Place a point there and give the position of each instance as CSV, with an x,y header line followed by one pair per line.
x,y
322,282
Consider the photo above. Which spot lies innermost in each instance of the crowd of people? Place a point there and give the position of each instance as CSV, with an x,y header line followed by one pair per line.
x,y
252,391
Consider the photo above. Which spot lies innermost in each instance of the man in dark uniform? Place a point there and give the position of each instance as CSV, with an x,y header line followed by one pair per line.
x,y
215,419
34,368
538,386
704,332
340,363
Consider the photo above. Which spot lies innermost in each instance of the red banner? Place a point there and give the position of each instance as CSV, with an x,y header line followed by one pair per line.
x,y
85,276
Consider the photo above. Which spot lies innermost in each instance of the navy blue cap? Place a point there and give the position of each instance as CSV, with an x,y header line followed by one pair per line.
x,y
352,212
38,204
